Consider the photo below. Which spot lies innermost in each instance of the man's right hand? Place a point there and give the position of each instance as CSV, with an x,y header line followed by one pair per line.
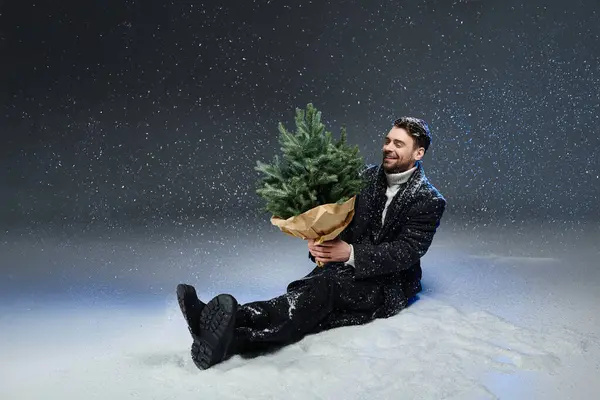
x,y
329,251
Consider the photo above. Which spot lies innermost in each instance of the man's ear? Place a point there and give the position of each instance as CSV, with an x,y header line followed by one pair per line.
x,y
420,153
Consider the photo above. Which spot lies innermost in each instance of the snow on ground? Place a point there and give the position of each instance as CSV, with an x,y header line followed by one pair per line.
x,y
505,313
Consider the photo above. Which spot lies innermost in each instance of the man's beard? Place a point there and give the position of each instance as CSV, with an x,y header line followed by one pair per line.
x,y
395,167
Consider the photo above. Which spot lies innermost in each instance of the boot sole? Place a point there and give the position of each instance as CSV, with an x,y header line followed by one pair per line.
x,y
183,292
217,321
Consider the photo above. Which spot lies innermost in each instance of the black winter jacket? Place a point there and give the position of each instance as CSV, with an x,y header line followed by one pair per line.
x,y
391,253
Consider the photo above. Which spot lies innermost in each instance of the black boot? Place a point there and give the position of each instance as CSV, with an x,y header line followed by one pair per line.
x,y
217,324
190,306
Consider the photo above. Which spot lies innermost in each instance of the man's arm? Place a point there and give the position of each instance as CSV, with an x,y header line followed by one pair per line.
x,y
363,172
400,254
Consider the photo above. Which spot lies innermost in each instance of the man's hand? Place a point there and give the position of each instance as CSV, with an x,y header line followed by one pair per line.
x,y
330,251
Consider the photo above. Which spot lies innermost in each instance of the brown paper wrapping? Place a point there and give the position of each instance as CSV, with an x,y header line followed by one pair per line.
x,y
322,223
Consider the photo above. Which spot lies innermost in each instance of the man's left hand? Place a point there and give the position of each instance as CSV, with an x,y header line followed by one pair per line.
x,y
330,251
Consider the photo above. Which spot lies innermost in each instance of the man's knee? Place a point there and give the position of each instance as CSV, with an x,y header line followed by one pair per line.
x,y
320,277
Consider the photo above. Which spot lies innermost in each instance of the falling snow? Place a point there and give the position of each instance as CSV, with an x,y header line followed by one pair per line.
x,y
130,131
155,115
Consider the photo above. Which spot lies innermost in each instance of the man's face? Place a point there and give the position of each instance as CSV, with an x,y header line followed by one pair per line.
x,y
400,151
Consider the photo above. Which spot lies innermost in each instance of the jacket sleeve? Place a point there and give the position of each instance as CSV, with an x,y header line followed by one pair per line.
x,y
410,245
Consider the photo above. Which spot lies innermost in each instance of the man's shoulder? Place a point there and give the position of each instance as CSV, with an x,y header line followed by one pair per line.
x,y
428,198
431,191
369,169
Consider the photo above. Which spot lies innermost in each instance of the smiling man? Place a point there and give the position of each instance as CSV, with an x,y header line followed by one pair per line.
x,y
372,269
400,150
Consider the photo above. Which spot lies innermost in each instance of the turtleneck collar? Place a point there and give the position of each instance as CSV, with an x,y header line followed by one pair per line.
x,y
400,177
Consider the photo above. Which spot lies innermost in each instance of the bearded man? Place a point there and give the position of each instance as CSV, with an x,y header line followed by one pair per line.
x,y
372,269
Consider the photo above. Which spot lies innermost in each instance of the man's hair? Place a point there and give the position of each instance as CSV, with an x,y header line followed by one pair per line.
x,y
417,128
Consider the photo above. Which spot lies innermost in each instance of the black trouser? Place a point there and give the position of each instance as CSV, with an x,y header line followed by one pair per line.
x,y
328,297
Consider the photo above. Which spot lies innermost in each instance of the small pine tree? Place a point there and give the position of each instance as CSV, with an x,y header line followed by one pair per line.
x,y
313,171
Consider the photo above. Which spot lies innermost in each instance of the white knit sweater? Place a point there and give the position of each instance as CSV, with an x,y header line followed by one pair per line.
x,y
393,181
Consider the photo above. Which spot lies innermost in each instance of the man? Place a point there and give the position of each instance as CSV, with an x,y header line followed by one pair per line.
x,y
372,269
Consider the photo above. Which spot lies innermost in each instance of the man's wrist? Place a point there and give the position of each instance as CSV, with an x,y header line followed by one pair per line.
x,y
350,260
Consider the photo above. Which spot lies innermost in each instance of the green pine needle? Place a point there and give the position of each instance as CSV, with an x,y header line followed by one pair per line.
x,y
314,170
